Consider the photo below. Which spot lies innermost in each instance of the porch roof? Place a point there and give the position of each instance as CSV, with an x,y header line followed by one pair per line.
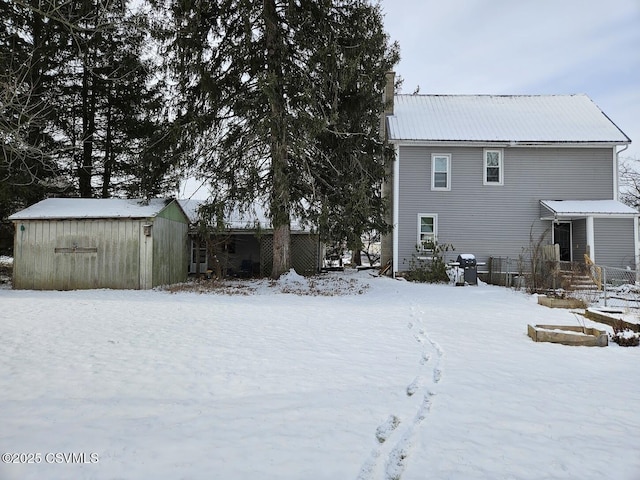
x,y
574,209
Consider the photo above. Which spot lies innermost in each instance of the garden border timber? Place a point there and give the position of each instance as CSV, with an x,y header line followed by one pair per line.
x,y
600,317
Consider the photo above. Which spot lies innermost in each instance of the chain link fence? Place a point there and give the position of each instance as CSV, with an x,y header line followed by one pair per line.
x,y
620,288
505,271
596,285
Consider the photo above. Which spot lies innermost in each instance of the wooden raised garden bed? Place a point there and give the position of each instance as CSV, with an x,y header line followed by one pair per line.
x,y
568,302
568,335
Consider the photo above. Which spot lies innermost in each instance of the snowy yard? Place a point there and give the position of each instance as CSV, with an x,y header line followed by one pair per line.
x,y
392,381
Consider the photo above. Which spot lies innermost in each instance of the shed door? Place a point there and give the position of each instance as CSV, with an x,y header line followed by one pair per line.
x,y
562,236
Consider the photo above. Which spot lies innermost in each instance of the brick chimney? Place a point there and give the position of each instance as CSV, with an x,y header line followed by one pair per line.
x,y
387,100
389,91
386,252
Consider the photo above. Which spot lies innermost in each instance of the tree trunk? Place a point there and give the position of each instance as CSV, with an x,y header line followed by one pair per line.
x,y
85,171
356,256
280,200
108,156
281,253
35,72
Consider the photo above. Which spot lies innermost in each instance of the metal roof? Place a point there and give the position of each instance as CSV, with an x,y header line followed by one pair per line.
x,y
587,208
525,119
249,218
67,208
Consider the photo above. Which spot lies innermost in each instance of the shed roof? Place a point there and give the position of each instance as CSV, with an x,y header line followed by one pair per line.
x,y
524,119
68,208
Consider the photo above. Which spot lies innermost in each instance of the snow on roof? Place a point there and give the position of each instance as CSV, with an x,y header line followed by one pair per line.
x,y
256,216
502,118
249,219
190,207
63,208
588,207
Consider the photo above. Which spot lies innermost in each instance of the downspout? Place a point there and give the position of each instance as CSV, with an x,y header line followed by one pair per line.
x,y
396,209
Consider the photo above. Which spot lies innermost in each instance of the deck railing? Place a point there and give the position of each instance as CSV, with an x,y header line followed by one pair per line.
x,y
595,271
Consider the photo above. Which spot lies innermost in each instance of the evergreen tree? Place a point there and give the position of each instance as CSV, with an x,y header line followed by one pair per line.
x,y
348,180
82,110
265,88
114,110
135,158
29,166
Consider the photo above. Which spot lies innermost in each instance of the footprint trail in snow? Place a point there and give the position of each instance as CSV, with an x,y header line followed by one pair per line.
x,y
394,437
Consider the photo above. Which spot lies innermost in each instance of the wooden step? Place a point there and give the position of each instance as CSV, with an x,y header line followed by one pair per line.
x,y
578,282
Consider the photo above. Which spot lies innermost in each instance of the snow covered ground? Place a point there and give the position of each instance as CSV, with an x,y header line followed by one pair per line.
x,y
391,381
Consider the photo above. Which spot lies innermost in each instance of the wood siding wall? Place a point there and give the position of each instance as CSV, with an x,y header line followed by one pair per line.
x,y
111,253
492,220
107,254
170,252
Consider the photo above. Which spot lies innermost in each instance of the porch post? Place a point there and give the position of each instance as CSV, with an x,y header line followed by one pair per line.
x,y
636,244
591,239
195,252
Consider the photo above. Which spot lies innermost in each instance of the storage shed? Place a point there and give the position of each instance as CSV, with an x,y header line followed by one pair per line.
x,y
78,243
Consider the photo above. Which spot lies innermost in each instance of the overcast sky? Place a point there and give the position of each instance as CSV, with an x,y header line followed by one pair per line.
x,y
524,47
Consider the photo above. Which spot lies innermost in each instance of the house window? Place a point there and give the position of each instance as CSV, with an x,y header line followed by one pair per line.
x,y
198,253
427,231
493,167
440,171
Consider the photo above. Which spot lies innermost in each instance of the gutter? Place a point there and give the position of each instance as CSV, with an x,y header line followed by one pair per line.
x,y
504,143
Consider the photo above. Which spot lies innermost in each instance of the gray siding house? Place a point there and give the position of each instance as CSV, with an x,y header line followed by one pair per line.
x,y
78,243
491,174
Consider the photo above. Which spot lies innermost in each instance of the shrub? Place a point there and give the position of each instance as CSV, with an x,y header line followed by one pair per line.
x,y
624,337
428,266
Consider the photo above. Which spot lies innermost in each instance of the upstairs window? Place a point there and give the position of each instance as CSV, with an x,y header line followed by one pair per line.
x,y
440,171
427,231
493,167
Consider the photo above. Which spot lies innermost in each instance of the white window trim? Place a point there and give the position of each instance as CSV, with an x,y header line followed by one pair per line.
x,y
500,166
435,229
433,171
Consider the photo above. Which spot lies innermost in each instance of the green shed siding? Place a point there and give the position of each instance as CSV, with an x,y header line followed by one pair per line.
x,y
170,254
173,212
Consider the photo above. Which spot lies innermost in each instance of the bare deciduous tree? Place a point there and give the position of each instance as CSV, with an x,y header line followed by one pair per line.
x,y
629,174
